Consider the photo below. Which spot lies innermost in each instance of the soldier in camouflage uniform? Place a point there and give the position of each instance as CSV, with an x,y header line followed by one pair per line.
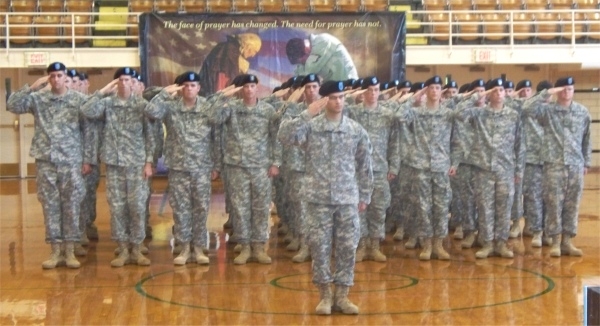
x,y
338,185
252,156
127,151
566,153
57,146
430,165
190,155
497,154
321,54
293,166
463,209
378,121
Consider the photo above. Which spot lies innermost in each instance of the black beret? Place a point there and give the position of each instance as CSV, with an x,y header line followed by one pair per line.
x,y
508,84
56,66
393,83
311,78
123,71
417,87
295,50
298,81
523,83
492,83
451,84
189,76
435,80
177,79
544,84
72,73
330,87
477,83
565,81
350,82
405,84
135,74
139,77
247,79
464,88
385,86
358,83
83,76
369,81
236,80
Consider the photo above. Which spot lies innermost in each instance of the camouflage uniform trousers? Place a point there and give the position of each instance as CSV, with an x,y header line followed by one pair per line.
x,y
189,196
463,208
60,190
250,199
431,194
406,207
228,205
280,196
296,208
127,192
533,202
562,190
331,224
393,212
517,207
494,193
88,204
372,221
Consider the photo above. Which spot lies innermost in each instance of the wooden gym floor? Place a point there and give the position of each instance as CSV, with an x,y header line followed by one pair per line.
x,y
531,289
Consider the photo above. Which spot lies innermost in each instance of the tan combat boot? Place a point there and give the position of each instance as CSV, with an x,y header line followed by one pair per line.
x,y
56,257
184,255
438,249
469,240
502,249
237,248
555,249
137,257
426,252
458,233
80,250
302,255
484,252
324,306
258,252
567,247
361,250
200,256
294,245
342,303
536,241
244,255
123,256
411,243
399,235
70,259
375,251
515,229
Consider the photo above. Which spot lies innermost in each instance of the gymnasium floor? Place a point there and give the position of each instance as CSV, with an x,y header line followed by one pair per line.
x,y
531,289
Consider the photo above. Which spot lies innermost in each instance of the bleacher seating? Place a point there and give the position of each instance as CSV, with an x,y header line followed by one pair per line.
x,y
79,5
167,5
494,24
511,4
193,6
47,26
244,5
78,30
51,5
141,5
270,5
23,5
18,30
218,5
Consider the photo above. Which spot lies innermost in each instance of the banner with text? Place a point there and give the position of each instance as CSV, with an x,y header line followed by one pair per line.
x,y
274,47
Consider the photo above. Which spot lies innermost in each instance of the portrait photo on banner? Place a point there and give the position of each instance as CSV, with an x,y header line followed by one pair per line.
x,y
274,47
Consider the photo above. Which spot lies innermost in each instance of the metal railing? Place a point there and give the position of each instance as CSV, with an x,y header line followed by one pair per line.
x,y
468,27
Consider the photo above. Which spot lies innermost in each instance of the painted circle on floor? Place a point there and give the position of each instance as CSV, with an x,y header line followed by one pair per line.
x,y
480,284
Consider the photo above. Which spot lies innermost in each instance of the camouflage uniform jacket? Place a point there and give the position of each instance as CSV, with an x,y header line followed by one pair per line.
x,y
430,131
497,142
61,133
380,126
249,134
190,144
566,130
127,138
293,157
338,159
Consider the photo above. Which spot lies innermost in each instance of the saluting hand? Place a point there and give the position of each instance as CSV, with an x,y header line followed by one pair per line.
x,y
315,107
232,91
295,96
39,82
281,92
110,87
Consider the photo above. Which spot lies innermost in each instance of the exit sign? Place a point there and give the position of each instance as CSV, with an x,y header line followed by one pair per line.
x,y
484,56
37,59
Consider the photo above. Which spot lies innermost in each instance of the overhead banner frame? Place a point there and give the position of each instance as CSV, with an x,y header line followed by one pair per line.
x,y
272,46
